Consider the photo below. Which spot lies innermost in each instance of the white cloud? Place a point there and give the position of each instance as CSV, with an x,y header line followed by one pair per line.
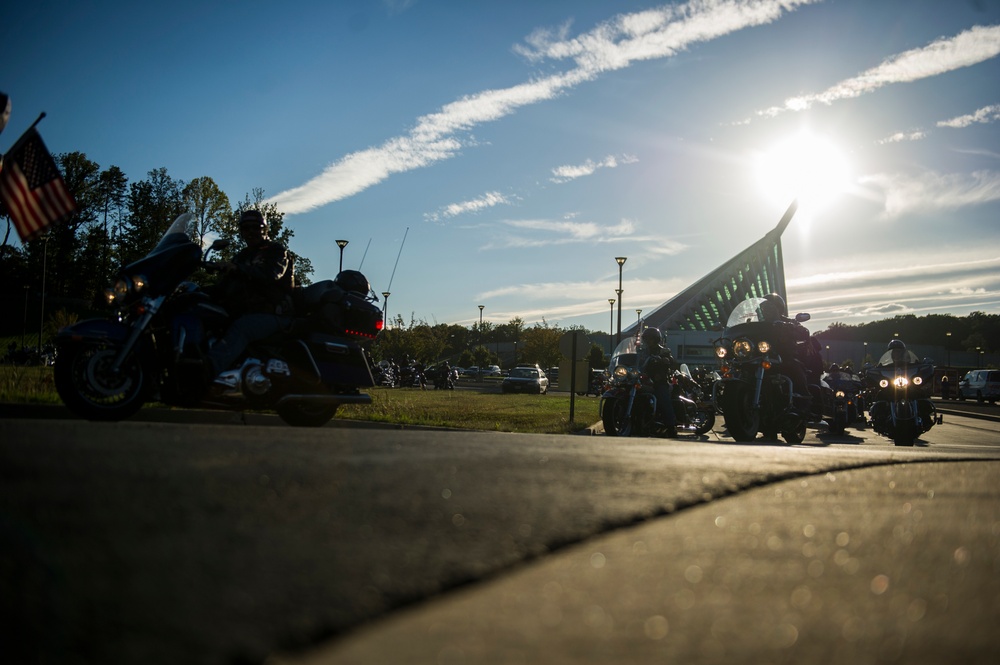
x,y
544,232
566,173
612,45
905,193
866,294
968,48
899,137
984,115
487,200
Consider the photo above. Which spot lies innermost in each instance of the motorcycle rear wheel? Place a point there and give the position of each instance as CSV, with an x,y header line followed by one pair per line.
x,y
298,414
90,388
742,419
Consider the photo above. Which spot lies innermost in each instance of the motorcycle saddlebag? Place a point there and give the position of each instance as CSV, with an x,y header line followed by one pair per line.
x,y
341,361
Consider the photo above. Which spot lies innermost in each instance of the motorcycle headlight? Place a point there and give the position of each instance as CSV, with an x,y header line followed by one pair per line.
x,y
120,288
918,380
884,383
900,382
621,371
763,346
721,352
742,348
840,394
139,282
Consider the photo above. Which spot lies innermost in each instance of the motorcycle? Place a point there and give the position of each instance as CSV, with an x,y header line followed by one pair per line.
x,y
901,408
848,399
753,393
153,346
628,405
694,413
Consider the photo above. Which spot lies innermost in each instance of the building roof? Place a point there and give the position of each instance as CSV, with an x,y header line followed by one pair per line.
x,y
706,304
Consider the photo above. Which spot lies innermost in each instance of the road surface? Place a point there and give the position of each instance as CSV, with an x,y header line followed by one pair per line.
x,y
166,542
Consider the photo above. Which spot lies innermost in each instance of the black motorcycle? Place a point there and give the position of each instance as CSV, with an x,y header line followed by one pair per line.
x,y
628,405
153,346
901,408
848,399
753,393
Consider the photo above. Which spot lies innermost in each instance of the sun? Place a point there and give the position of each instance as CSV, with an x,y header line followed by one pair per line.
x,y
806,167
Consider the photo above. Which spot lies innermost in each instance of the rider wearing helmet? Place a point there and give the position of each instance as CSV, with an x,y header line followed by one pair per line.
x,y
792,342
656,361
256,287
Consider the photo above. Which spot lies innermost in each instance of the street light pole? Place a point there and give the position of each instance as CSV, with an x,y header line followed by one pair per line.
x,y
947,347
479,363
41,317
611,330
342,244
638,317
621,262
385,305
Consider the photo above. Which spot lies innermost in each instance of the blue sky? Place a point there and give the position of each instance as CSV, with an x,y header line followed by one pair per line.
x,y
520,146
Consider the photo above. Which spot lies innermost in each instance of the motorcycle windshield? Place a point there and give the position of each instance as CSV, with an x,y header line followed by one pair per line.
x,y
683,369
747,311
181,231
901,356
626,353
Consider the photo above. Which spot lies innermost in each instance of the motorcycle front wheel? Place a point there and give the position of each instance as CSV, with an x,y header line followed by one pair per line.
x,y
614,417
91,389
703,420
742,419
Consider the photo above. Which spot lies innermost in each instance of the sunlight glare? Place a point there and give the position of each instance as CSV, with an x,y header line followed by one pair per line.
x,y
806,167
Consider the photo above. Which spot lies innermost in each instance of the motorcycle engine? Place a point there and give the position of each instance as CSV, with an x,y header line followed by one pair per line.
x,y
257,377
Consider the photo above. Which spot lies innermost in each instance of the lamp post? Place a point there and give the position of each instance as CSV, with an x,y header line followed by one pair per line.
x,y
479,364
385,305
342,244
947,346
24,325
865,354
638,315
611,330
621,262
41,316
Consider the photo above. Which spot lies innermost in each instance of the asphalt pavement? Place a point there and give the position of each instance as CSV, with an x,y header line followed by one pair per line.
x,y
168,542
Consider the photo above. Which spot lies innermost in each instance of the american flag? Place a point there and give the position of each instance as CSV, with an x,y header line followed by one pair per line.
x,y
32,188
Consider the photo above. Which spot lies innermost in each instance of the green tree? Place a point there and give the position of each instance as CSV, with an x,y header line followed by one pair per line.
x,y
541,345
208,203
112,189
153,204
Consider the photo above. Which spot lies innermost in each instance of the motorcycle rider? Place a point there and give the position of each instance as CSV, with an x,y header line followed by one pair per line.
x,y
789,335
656,361
256,288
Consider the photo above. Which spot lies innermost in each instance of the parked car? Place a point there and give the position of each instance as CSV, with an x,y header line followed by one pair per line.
x,y
471,371
492,370
553,374
525,380
981,384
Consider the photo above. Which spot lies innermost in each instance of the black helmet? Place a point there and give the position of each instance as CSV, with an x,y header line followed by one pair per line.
x,y
896,344
253,227
652,336
254,219
353,281
773,307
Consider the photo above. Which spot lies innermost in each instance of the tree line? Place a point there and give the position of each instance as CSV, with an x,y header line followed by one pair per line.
x,y
977,331
117,221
